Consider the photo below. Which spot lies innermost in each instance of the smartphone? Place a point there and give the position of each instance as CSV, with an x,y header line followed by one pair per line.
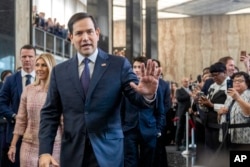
x,y
229,83
201,94
243,53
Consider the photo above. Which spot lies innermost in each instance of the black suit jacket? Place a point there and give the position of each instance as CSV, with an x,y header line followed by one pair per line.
x,y
9,101
149,121
184,101
164,87
207,85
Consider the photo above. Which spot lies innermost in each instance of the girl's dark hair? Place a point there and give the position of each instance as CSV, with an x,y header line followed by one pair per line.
x,y
141,59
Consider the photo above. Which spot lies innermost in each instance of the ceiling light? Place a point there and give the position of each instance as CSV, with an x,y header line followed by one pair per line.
x,y
241,11
165,15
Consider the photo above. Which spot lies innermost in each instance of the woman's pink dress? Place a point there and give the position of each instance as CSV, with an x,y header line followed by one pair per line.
x,y
27,125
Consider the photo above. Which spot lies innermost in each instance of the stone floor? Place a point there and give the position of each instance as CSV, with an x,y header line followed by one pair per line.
x,y
180,158
188,159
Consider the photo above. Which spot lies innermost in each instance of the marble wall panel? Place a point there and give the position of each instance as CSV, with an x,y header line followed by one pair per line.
x,y
187,45
119,34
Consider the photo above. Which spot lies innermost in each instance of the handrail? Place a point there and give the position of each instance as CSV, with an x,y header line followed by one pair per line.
x,y
51,43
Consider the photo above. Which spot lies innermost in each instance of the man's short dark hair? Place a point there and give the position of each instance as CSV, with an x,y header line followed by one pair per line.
x,y
218,67
79,16
141,59
157,61
29,47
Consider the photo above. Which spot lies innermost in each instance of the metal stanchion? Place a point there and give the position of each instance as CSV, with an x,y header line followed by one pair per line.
x,y
186,152
192,145
189,154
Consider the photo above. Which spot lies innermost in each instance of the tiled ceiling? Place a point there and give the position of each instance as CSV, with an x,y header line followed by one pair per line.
x,y
188,8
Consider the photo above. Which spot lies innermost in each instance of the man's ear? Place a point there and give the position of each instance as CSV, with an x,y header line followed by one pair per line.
x,y
98,32
71,37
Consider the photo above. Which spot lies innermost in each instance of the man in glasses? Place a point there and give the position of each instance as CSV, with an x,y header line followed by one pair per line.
x,y
211,103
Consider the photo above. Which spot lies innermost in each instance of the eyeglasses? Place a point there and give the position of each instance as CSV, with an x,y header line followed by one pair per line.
x,y
215,74
238,80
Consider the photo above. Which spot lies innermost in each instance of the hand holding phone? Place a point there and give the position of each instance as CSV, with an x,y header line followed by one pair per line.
x,y
243,55
199,94
229,83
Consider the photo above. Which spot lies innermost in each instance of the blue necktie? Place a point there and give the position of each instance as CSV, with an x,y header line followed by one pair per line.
x,y
28,79
85,78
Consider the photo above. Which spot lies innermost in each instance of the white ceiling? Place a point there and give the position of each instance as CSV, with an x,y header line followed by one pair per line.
x,y
186,8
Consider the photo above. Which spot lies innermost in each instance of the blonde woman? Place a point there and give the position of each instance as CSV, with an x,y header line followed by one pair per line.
x,y
28,117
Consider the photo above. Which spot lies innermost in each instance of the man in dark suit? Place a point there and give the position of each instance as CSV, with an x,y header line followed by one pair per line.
x,y
183,96
93,133
141,126
11,92
160,159
4,75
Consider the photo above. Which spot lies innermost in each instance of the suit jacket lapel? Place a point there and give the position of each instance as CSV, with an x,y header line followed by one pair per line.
x,y
101,65
74,76
18,81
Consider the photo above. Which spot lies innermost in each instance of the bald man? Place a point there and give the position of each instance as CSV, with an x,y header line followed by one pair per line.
x,y
183,96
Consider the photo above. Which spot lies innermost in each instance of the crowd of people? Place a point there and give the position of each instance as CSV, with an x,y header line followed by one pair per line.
x,y
97,109
218,104
49,25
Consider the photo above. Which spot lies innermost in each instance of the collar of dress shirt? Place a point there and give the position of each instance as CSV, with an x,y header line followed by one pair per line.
x,y
23,73
92,57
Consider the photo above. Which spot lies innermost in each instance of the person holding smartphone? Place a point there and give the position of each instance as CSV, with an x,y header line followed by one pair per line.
x,y
210,104
245,58
236,111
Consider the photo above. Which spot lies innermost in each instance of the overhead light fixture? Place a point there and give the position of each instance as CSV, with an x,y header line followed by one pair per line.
x,y
165,15
162,4
241,11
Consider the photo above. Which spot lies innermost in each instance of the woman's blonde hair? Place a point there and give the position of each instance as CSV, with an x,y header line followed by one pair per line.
x,y
50,62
